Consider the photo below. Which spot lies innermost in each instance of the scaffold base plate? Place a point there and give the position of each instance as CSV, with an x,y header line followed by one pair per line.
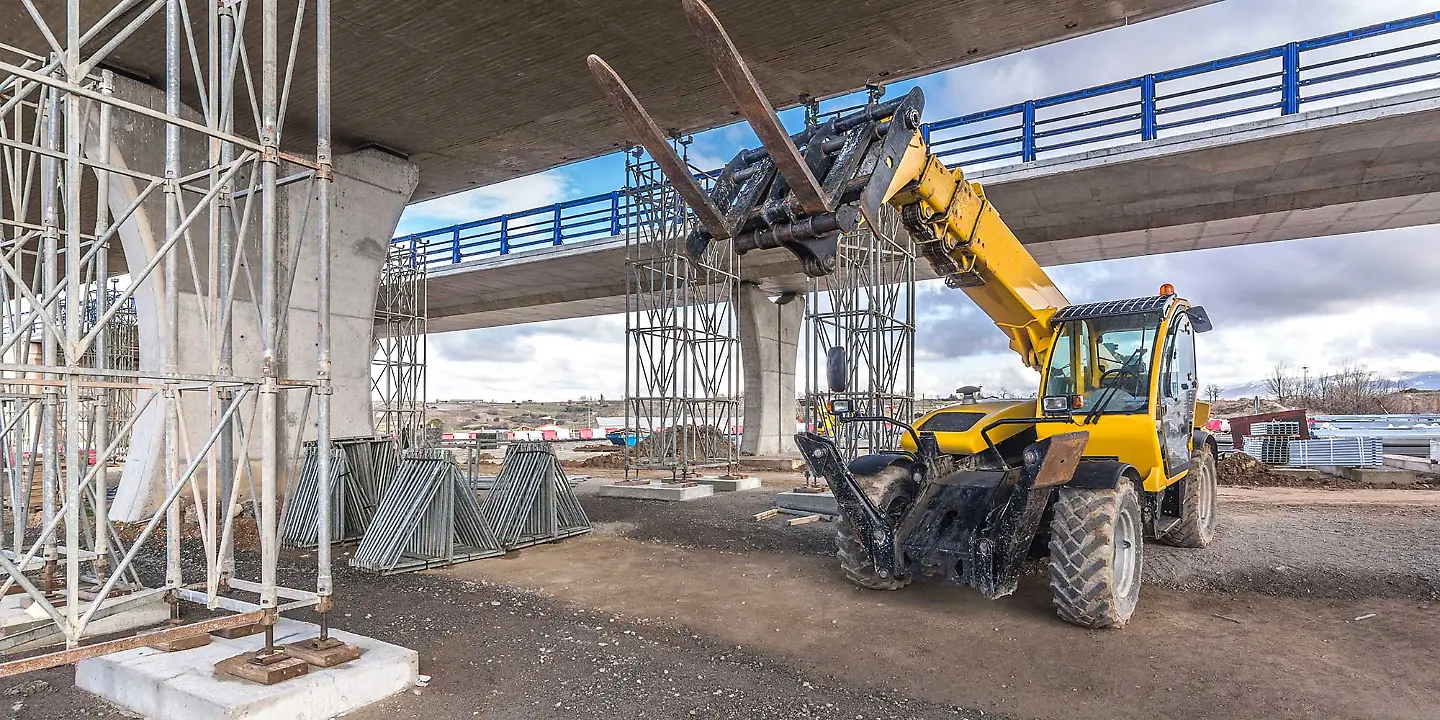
x,y
328,653
185,686
280,668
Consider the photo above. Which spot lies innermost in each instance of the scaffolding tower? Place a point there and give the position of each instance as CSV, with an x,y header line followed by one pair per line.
x,y
867,306
203,173
398,367
682,352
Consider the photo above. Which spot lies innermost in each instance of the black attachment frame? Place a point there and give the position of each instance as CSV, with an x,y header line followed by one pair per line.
x,y
844,154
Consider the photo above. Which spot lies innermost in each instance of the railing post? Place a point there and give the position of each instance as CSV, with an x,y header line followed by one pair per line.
x,y
413,240
925,133
557,223
614,212
1027,130
455,246
1290,83
1147,108
504,234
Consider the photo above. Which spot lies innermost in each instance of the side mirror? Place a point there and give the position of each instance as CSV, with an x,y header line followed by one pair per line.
x,y
1199,320
837,369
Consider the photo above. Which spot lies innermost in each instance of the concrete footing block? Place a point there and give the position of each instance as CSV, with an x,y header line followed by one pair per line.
x,y
808,502
18,612
773,463
185,685
729,484
657,490
1378,476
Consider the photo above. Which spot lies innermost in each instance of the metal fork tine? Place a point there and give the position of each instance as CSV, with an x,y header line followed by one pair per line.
x,y
653,140
755,107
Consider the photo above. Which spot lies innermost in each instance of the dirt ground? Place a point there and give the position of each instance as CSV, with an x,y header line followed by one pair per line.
x,y
697,610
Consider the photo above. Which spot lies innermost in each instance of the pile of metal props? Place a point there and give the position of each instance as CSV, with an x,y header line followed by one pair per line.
x,y
532,502
360,469
428,517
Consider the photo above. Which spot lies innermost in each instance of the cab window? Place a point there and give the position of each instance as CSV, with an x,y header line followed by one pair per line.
x,y
1106,361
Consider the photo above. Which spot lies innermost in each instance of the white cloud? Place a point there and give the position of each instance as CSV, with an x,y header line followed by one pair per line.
x,y
545,362
522,193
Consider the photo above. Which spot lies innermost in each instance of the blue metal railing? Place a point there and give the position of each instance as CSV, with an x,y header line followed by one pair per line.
x,y
1273,81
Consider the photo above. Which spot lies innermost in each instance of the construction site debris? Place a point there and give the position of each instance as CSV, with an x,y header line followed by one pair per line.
x,y
691,442
604,461
598,448
1239,469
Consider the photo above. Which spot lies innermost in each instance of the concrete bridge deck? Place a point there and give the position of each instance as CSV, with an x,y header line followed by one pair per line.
x,y
1357,167
475,93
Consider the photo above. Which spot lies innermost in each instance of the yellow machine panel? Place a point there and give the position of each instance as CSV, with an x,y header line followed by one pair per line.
x,y
967,420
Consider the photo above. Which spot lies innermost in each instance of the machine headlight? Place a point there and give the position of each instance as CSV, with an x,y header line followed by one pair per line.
x,y
840,406
1055,403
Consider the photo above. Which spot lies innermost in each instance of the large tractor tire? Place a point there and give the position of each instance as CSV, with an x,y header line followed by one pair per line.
x,y
855,559
1196,528
1096,549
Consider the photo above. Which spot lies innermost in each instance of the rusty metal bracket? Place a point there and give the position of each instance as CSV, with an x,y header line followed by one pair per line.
x,y
85,652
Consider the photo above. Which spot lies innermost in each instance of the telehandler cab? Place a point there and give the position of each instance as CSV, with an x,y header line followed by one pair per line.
x,y
1110,451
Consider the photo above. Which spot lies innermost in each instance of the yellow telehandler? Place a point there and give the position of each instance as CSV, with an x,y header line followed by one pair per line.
x,y
1110,451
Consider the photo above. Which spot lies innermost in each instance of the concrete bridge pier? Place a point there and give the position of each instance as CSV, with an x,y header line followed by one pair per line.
x,y
769,344
370,190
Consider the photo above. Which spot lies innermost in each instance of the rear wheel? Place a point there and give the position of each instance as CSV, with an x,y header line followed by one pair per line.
x,y
1096,552
855,560
1196,528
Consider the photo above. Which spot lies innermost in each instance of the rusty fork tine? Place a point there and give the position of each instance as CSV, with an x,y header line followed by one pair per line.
x,y
653,140
755,107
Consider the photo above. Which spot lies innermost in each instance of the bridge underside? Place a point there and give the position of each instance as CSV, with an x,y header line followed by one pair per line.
x,y
1355,168
475,93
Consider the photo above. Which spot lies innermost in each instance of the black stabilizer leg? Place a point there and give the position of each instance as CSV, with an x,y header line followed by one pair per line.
x,y
870,526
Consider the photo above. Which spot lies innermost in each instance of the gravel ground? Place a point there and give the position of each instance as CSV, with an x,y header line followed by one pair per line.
x,y
498,652
495,650
1328,551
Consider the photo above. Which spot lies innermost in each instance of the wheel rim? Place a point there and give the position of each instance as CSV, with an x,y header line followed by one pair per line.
x,y
1207,493
1127,553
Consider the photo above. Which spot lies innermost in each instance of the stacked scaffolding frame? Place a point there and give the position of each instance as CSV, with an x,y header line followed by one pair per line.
x,y
682,352
398,367
65,195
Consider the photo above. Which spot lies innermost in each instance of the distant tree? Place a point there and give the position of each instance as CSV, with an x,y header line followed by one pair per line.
x,y
1280,384
1352,389
1212,392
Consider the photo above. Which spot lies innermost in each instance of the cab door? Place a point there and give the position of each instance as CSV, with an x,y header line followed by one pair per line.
x,y
1178,386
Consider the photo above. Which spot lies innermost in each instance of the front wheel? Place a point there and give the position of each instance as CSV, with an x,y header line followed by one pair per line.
x,y
1096,551
855,560
1196,528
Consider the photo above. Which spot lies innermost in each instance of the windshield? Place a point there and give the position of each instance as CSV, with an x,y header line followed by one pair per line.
x,y
1104,360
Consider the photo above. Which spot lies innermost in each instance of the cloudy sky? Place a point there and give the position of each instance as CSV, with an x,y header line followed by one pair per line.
x,y
1318,302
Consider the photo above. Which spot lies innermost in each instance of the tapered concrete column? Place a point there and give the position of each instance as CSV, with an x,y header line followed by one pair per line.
x,y
370,190
769,342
